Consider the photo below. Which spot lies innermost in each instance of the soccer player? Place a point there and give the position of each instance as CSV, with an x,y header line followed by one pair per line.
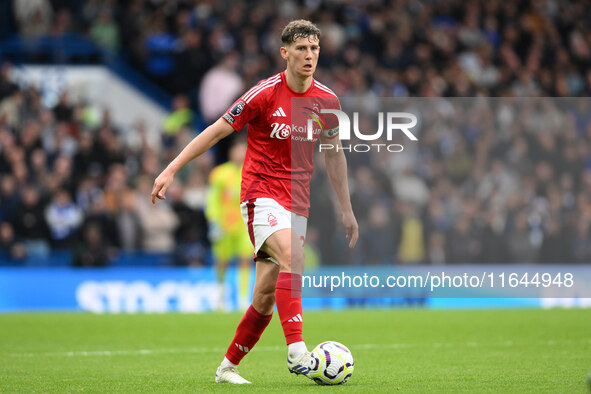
x,y
227,233
275,196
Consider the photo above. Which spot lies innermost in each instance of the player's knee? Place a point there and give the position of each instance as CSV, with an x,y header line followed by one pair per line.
x,y
264,302
292,261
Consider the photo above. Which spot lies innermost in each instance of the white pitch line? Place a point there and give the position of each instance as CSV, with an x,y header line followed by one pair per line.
x,y
100,353
86,353
369,346
147,352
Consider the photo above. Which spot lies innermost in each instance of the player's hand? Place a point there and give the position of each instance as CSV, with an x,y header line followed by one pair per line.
x,y
352,228
161,184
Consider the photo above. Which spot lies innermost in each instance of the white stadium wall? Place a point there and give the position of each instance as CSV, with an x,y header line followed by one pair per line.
x,y
101,88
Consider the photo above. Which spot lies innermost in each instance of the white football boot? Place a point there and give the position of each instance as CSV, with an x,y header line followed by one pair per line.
x,y
300,365
229,375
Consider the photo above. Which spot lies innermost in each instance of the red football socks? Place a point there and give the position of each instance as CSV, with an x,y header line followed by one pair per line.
x,y
288,297
247,335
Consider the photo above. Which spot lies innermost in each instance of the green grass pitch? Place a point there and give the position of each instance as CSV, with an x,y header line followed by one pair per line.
x,y
395,350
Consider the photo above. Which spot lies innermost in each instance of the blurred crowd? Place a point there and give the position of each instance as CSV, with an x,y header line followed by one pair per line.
x,y
71,182
382,48
489,180
498,187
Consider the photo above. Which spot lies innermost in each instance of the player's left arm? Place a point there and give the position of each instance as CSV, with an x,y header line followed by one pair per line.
x,y
336,167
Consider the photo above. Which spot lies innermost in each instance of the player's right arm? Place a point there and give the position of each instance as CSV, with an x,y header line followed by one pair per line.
x,y
245,109
199,145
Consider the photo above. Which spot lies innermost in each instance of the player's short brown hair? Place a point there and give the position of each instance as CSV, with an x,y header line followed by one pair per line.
x,y
300,28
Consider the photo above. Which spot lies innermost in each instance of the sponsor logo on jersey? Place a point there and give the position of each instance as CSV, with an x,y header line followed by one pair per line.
x,y
280,131
237,109
298,133
229,118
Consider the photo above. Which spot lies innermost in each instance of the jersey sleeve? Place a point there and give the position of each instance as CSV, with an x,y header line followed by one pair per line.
x,y
333,103
244,110
331,129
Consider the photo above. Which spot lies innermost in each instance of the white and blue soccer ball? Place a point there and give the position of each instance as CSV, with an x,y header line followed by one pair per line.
x,y
331,363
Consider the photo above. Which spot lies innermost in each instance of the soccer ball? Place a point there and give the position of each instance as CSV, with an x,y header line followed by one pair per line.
x,y
332,363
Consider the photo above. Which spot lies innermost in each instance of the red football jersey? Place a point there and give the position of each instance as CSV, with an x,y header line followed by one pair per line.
x,y
279,157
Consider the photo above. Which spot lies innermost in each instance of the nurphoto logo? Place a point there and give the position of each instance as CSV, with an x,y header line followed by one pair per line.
x,y
393,125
